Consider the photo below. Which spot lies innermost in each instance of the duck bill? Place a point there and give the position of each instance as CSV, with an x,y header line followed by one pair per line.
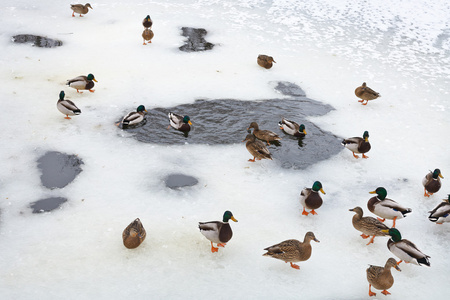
x,y
190,123
316,240
322,191
440,175
232,218
304,131
94,79
397,268
385,230
372,192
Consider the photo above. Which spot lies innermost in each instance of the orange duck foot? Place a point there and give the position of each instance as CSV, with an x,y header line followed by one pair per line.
x,y
91,91
399,262
371,241
365,156
365,236
385,292
252,160
221,244
370,292
67,117
380,219
355,156
295,266
305,213
313,212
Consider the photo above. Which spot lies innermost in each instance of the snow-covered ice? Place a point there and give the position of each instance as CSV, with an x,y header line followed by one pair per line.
x,y
327,47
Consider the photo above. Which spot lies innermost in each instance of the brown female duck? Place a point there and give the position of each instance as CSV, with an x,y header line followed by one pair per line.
x,y
365,93
265,135
367,225
265,61
134,234
80,9
256,148
381,277
291,251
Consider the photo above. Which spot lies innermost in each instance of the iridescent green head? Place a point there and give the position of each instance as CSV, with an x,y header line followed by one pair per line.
x,y
186,119
141,108
90,77
381,193
366,135
147,18
302,128
317,186
437,173
61,95
227,216
394,233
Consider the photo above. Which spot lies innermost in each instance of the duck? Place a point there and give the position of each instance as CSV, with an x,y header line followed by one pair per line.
x,y
147,35
147,22
80,9
218,232
134,234
432,182
310,198
256,148
82,83
291,251
441,213
369,226
365,93
265,135
381,277
386,208
358,144
67,107
134,117
405,249
292,128
265,61
179,122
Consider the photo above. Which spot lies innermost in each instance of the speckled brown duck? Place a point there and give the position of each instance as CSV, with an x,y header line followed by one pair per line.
x,y
291,251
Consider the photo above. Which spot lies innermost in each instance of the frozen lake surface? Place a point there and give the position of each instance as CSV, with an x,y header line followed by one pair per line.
x,y
65,241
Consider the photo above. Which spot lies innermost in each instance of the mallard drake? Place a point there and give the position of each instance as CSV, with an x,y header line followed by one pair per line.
x,y
147,35
358,145
80,9
292,128
82,83
134,234
367,225
381,277
441,213
179,122
265,61
67,107
256,148
404,249
365,93
147,22
218,232
265,135
432,182
310,198
386,208
291,251
134,117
